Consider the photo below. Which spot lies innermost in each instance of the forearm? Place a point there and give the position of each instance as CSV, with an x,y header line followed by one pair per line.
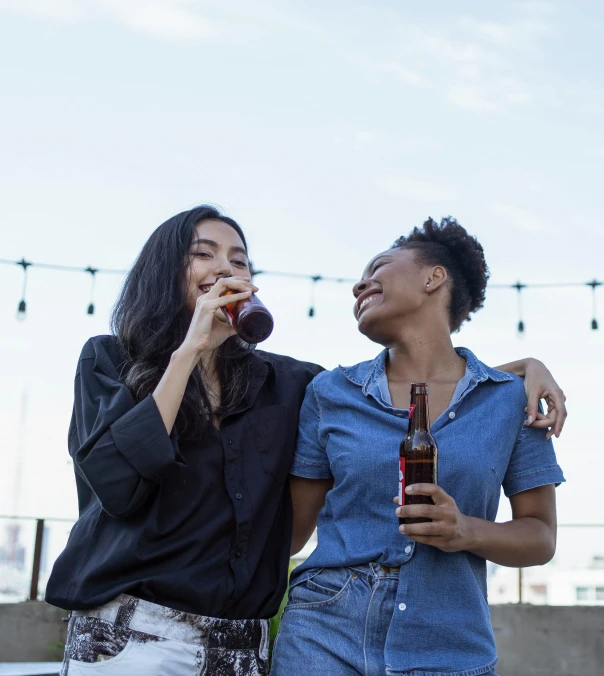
x,y
308,498
518,367
526,541
171,388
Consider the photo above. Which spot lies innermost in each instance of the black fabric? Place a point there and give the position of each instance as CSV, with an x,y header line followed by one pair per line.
x,y
203,527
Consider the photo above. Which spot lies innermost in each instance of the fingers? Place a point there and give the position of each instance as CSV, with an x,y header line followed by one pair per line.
x,y
419,512
224,284
414,530
556,401
223,301
532,408
437,494
556,415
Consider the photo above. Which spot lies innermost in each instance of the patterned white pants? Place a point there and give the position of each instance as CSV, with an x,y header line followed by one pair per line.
x,y
131,637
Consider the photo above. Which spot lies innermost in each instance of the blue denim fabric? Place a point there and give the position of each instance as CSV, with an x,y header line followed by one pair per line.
x,y
349,430
337,623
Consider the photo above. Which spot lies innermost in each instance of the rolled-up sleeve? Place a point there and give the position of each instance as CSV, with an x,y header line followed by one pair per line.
x,y
533,463
310,458
120,448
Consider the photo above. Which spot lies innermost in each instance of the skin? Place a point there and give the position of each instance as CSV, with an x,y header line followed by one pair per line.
x,y
217,263
404,307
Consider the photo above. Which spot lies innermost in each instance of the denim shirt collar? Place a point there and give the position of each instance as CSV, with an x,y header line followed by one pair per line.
x,y
367,374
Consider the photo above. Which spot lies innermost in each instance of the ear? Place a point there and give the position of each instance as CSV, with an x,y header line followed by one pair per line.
x,y
437,276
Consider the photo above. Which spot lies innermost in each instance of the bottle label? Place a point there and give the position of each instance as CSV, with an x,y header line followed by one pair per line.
x,y
401,481
411,411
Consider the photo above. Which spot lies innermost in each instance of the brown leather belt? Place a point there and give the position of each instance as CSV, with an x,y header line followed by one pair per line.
x,y
387,570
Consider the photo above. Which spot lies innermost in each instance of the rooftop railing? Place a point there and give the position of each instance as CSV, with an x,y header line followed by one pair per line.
x,y
30,545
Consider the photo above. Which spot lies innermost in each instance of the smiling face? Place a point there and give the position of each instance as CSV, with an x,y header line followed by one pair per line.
x,y
391,293
216,251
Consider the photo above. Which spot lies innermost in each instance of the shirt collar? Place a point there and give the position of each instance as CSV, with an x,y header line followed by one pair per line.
x,y
367,373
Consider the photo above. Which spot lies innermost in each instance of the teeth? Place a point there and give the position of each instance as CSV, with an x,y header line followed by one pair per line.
x,y
367,300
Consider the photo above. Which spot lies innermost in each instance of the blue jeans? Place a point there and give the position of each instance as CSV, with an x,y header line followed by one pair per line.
x,y
336,623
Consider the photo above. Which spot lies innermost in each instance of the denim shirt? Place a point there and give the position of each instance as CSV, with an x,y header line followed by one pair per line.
x,y
349,430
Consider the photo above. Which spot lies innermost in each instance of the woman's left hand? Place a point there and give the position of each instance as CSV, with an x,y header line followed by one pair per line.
x,y
449,530
540,384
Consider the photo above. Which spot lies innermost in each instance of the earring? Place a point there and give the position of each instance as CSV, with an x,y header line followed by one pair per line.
x,y
428,284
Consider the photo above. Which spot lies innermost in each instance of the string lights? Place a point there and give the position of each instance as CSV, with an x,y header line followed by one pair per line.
x,y
594,285
519,286
314,280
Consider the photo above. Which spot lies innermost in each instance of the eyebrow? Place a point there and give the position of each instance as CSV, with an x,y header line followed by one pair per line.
x,y
215,245
373,262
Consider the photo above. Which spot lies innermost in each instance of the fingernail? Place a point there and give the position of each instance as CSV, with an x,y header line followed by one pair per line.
x,y
398,511
409,489
529,420
401,529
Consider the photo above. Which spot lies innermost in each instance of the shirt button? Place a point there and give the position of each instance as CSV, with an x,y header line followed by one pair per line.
x,y
237,553
408,549
238,496
229,441
451,415
402,606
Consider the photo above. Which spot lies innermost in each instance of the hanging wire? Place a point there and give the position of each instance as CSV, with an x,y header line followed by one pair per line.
x,y
519,286
92,272
311,309
594,285
22,307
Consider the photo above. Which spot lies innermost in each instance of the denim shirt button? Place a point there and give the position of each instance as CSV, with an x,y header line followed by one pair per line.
x,y
402,606
408,549
451,415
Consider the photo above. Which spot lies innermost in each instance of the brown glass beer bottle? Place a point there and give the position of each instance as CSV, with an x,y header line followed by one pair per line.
x,y
418,454
250,318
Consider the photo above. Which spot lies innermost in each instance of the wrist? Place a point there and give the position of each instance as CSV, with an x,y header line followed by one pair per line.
x,y
471,537
185,358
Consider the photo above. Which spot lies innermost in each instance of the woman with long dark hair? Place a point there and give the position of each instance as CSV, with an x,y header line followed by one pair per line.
x,y
375,598
182,437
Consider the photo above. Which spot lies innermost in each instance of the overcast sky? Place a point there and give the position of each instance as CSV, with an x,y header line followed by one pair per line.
x,y
326,130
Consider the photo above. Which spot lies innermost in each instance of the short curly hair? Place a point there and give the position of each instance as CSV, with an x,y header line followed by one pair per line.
x,y
449,245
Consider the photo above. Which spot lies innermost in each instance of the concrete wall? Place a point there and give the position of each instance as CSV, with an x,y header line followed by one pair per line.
x,y
531,640
549,640
31,632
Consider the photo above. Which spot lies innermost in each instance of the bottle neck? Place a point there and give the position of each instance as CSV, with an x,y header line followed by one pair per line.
x,y
419,412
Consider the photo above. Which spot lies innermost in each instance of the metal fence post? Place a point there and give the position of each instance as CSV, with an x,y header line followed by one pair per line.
x,y
519,585
35,573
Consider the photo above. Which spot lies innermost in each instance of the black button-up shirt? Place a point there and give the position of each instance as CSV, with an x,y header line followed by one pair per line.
x,y
203,527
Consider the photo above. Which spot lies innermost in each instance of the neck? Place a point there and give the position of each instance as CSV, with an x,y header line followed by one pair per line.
x,y
422,354
208,367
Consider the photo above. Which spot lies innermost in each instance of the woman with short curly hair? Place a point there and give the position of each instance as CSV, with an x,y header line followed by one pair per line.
x,y
375,598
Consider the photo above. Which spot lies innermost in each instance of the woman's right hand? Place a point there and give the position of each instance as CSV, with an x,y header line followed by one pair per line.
x,y
209,327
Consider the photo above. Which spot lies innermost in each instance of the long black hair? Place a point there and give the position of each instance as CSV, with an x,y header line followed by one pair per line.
x,y
151,319
450,245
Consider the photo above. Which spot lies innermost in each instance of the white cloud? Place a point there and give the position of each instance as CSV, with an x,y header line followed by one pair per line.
x,y
478,65
171,19
175,19
472,98
522,35
403,73
538,7
416,190
364,137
